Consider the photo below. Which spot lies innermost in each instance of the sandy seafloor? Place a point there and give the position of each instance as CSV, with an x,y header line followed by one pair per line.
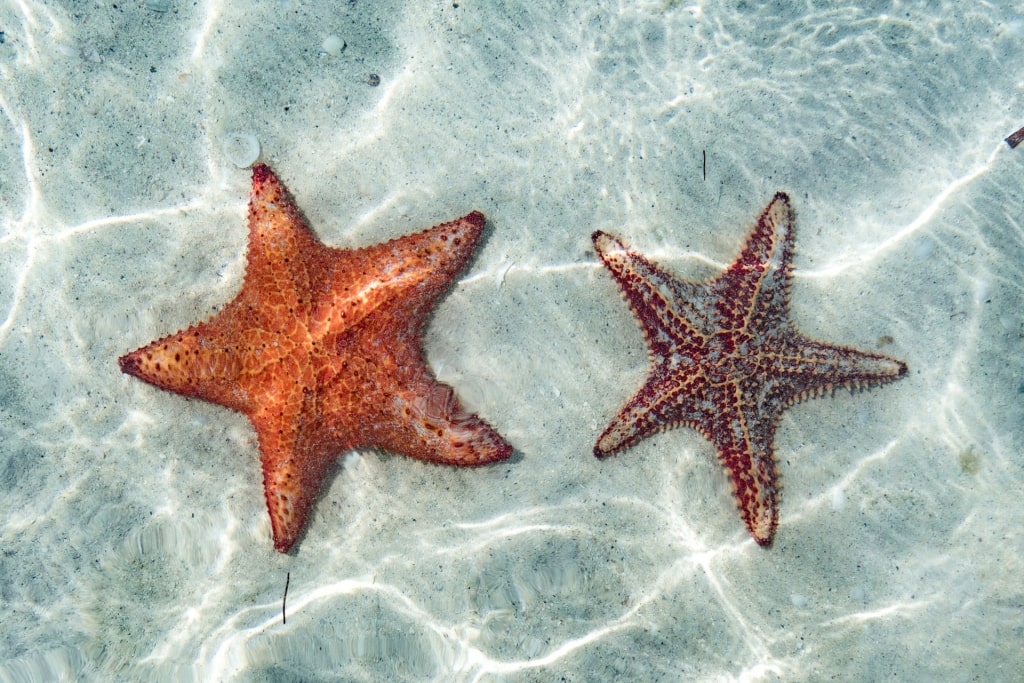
x,y
134,540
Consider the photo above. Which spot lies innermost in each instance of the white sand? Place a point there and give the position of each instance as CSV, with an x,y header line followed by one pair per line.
x,y
134,541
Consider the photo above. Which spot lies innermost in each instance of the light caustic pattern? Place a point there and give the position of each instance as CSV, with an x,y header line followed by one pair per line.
x,y
135,543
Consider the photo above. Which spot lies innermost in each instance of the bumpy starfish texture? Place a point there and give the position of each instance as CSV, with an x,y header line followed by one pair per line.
x,y
321,351
726,359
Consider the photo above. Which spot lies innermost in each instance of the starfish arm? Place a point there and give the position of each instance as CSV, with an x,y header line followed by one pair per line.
x,y
663,402
295,462
753,292
296,447
804,368
222,360
667,308
743,436
388,398
192,363
426,421
411,271
283,255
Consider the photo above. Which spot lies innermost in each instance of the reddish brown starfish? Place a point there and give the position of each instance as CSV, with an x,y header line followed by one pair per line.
x,y
726,359
321,351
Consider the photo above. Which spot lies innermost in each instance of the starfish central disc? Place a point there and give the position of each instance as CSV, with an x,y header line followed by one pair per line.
x,y
728,358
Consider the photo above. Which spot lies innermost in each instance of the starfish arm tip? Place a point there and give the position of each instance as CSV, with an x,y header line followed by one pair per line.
x,y
762,526
603,242
260,172
129,364
610,443
498,450
476,219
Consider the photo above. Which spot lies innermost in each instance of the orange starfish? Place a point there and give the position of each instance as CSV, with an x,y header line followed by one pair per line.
x,y
726,359
321,351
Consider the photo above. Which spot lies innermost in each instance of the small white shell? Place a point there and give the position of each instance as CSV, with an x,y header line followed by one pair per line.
x,y
241,148
333,45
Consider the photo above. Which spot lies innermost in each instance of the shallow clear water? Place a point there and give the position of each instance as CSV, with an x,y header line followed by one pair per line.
x,y
134,540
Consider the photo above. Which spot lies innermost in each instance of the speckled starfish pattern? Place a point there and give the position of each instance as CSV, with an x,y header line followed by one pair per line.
x,y
726,360
321,351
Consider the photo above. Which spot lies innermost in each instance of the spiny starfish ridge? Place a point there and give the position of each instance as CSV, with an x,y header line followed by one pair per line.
x,y
726,359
